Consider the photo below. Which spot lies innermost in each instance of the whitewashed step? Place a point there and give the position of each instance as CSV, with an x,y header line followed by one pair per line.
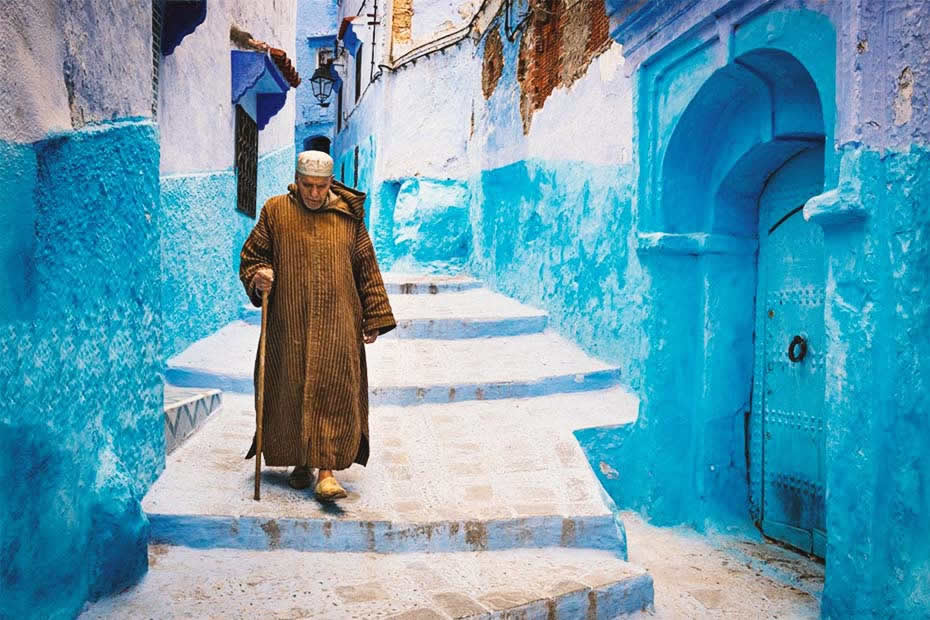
x,y
186,409
460,476
539,583
413,371
426,284
473,313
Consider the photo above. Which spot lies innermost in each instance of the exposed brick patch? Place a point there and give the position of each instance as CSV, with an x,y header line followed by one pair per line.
x,y
560,41
493,66
402,22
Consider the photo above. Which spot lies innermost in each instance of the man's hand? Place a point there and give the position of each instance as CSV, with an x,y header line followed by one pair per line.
x,y
370,337
262,280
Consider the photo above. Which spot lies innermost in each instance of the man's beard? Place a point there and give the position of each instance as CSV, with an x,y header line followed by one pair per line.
x,y
313,204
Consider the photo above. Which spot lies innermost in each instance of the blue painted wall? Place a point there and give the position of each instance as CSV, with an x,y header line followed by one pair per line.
x,y
903,491
17,220
645,268
201,236
558,235
416,223
81,429
876,227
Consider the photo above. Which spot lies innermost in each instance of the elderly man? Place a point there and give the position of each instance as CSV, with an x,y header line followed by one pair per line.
x,y
311,250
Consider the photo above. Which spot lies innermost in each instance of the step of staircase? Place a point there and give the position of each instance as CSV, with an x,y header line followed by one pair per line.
x,y
426,284
472,313
186,409
466,476
536,583
406,372
477,500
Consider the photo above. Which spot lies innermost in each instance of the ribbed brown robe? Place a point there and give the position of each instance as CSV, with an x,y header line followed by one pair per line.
x,y
327,290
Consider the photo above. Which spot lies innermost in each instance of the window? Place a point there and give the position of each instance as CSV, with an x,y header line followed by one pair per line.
x,y
355,182
358,73
324,56
317,143
157,17
246,162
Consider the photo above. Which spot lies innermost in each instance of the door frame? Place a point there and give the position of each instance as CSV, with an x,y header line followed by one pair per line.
x,y
698,258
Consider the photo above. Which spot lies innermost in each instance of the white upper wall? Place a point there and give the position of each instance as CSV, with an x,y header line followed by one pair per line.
x,y
431,119
195,114
373,47
65,64
434,17
590,121
317,18
429,125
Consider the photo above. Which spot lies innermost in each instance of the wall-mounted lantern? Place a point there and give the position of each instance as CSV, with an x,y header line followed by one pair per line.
x,y
322,83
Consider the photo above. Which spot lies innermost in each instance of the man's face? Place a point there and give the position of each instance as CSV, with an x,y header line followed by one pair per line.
x,y
313,190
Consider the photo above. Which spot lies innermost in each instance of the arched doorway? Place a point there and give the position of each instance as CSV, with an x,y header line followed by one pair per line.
x,y
746,154
726,152
317,143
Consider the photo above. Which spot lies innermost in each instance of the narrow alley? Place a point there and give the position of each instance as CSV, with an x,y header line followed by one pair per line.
x,y
531,309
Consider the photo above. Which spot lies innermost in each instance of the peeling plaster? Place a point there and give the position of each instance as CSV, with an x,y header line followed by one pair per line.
x,y
493,66
903,111
557,48
402,24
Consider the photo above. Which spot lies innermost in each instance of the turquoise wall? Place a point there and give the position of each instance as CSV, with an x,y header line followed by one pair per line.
x,y
904,465
558,235
876,230
652,266
759,99
201,236
409,230
81,428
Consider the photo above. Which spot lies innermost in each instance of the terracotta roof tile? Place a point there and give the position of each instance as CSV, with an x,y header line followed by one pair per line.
x,y
285,65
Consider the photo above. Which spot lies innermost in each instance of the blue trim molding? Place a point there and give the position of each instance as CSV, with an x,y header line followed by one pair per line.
x,y
635,21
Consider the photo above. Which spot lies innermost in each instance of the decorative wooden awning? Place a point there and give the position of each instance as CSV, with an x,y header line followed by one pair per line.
x,y
348,36
260,82
285,66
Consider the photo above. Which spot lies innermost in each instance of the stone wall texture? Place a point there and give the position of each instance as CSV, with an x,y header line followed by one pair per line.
x,y
81,428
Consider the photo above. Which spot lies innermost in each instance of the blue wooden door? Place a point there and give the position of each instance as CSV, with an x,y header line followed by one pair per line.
x,y
791,289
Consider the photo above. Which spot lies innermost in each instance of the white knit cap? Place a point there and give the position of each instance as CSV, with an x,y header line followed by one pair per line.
x,y
314,164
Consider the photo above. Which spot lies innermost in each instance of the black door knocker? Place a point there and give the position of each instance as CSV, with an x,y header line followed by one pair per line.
x,y
797,349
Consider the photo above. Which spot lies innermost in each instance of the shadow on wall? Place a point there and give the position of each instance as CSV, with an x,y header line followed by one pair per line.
x,y
49,500
381,222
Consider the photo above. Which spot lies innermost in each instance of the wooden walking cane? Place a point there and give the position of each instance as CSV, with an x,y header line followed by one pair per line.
x,y
260,399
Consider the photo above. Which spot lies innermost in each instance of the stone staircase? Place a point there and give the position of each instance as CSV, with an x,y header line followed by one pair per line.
x,y
186,410
477,500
